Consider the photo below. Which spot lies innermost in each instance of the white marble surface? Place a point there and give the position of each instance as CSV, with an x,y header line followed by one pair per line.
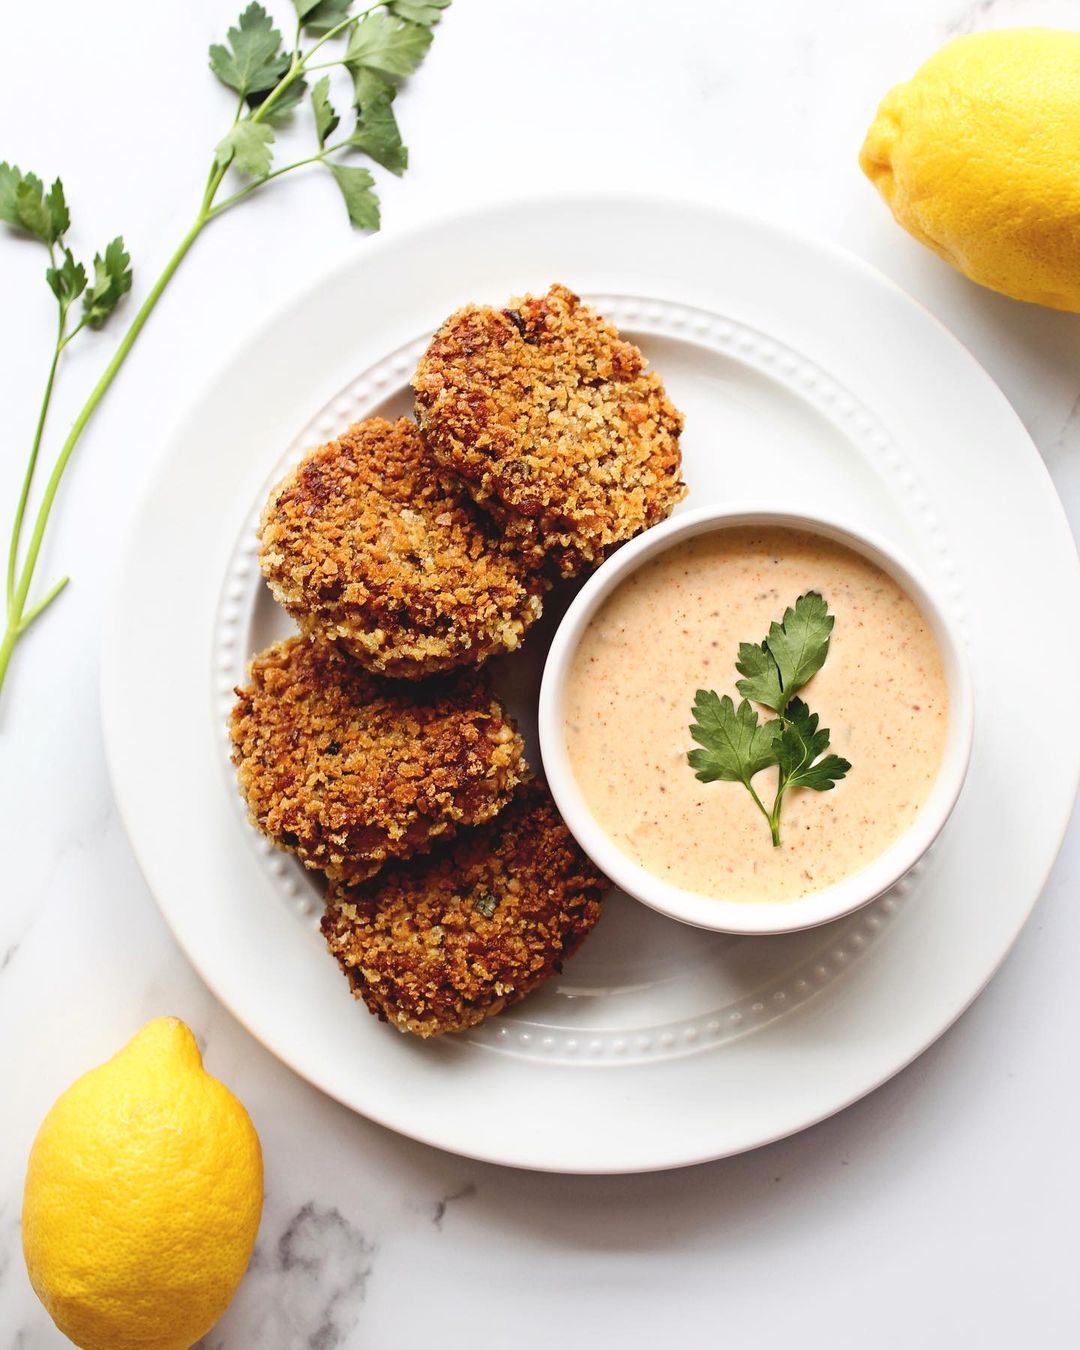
x,y
938,1212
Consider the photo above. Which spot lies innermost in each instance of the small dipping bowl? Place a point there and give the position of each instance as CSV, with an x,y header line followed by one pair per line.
x,y
739,916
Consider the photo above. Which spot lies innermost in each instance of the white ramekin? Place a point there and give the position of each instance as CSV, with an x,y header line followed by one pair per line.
x,y
733,916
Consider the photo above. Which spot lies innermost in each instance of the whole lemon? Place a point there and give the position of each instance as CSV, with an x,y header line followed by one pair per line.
x,y
142,1200
978,156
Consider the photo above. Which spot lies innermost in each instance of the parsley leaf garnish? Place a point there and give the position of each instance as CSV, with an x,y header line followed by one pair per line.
x,y
25,205
68,281
360,202
427,12
800,644
389,45
112,281
377,133
762,675
247,148
789,657
10,178
326,119
734,746
57,208
253,60
801,746
319,16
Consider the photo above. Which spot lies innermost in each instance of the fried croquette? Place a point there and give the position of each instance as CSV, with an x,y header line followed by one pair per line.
x,y
553,424
347,770
440,943
366,542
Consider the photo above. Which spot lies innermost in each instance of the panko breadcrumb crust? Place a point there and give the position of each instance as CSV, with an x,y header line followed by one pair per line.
x,y
552,422
437,944
367,543
347,770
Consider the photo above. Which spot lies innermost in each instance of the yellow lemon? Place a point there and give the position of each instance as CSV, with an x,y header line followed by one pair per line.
x,y
978,156
142,1198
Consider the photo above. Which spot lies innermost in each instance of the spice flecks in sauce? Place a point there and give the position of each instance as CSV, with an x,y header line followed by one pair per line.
x,y
674,626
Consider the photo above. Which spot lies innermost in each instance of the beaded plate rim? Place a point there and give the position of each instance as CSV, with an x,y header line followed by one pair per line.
x,y
636,317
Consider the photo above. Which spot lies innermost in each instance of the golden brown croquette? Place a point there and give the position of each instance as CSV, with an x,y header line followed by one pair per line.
x,y
440,943
553,424
346,770
366,542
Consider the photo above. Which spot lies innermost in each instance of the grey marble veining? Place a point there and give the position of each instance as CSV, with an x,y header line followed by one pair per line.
x,y
438,1213
307,1287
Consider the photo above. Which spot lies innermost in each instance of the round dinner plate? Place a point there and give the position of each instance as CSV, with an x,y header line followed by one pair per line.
x,y
807,380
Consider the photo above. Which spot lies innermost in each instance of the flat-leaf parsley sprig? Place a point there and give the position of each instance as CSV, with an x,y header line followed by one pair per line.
x,y
377,47
44,217
735,746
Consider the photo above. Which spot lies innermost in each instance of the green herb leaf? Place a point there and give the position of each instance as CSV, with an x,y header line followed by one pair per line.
x,y
19,185
419,11
362,203
801,742
794,651
326,119
33,213
24,205
29,210
255,61
370,87
59,215
68,281
10,178
319,16
822,776
112,281
800,644
377,135
734,746
247,148
801,745
393,47
762,682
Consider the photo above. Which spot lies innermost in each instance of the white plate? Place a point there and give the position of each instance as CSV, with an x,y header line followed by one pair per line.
x,y
806,378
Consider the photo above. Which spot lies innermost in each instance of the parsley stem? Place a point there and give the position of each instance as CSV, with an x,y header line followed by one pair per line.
x,y
296,69
74,333
774,819
781,787
239,196
43,604
24,495
773,826
16,623
334,32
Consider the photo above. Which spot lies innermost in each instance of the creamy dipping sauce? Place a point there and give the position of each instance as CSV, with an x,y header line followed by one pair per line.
x,y
674,626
